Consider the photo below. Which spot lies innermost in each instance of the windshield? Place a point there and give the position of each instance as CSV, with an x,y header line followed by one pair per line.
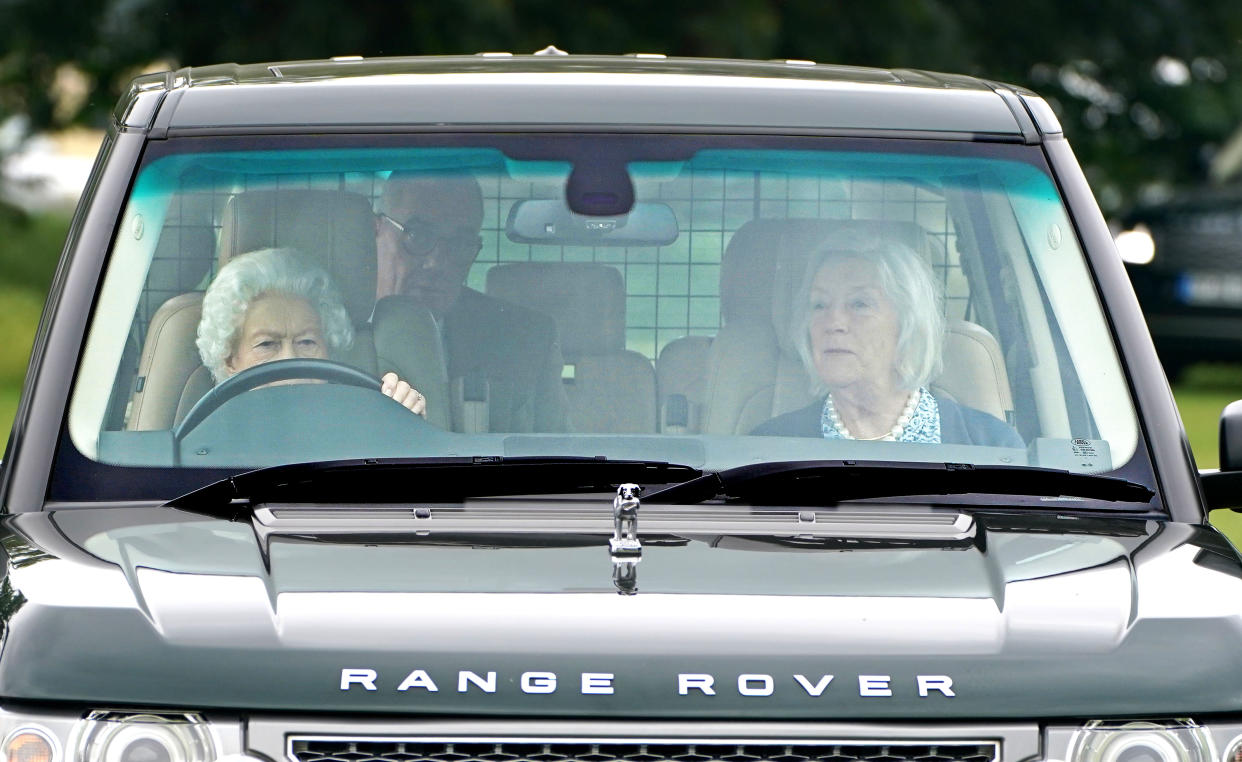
x,y
712,302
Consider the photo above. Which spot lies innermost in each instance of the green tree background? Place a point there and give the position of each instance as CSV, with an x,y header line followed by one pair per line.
x,y
1148,90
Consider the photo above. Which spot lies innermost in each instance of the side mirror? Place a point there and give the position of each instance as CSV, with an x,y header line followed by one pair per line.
x,y
1223,488
1231,437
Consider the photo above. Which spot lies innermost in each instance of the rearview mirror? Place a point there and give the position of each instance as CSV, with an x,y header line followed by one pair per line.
x,y
550,222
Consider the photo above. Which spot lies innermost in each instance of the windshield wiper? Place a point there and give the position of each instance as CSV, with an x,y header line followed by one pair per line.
x,y
404,480
826,482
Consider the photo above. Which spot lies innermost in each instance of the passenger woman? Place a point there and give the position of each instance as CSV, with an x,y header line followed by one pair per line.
x,y
869,329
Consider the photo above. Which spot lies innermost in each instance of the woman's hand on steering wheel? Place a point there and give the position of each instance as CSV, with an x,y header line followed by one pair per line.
x,y
401,391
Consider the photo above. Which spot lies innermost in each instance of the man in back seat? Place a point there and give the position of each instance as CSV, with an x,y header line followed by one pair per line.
x,y
500,355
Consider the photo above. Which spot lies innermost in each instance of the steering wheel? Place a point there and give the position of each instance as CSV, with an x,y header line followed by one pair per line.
x,y
270,372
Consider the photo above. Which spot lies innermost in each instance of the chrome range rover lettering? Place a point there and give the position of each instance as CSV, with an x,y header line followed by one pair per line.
x,y
687,683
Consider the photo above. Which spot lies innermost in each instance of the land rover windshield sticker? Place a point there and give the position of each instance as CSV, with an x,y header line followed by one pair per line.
x,y
684,683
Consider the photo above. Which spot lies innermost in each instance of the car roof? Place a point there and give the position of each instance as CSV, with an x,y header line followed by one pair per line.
x,y
564,92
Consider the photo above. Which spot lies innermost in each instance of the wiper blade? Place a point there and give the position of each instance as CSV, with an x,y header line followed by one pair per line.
x,y
402,480
825,482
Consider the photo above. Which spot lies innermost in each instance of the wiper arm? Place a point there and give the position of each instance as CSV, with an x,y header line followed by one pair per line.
x,y
401,480
820,482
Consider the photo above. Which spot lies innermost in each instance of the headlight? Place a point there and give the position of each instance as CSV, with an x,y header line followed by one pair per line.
x,y
1136,246
1123,741
126,737
1233,750
31,743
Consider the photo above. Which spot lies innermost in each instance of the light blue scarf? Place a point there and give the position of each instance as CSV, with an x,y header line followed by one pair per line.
x,y
923,426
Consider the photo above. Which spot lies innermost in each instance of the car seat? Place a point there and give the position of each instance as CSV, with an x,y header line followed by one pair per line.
x,y
610,389
681,383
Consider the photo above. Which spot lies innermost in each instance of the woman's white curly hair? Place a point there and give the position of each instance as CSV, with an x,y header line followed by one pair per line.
x,y
251,275
909,283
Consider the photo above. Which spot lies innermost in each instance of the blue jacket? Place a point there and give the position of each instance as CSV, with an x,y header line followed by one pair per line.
x,y
958,425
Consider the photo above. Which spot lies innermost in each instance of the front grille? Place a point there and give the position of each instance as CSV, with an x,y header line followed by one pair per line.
x,y
359,750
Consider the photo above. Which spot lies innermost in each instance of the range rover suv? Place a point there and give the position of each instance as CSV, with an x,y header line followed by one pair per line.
x,y
537,408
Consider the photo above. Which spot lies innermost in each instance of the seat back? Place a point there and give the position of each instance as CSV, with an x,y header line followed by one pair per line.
x,y
183,258
706,385
610,389
681,384
171,377
974,371
748,375
332,229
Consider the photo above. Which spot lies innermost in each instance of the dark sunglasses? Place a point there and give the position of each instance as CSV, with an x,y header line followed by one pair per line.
x,y
419,239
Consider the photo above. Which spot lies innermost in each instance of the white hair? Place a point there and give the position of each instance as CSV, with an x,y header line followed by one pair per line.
x,y
251,275
908,282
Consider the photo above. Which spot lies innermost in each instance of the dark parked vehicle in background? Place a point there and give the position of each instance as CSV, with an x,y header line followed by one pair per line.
x,y
759,411
1184,257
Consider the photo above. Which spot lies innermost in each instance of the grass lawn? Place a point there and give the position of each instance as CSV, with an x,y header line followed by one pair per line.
x,y
29,247
19,316
8,406
1201,396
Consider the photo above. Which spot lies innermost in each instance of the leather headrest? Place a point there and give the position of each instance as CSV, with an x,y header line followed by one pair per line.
x,y
586,299
333,229
752,257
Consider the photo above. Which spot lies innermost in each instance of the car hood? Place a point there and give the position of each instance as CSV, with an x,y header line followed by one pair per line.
x,y
1035,615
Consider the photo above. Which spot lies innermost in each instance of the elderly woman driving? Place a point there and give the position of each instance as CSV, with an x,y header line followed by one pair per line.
x,y
869,330
269,305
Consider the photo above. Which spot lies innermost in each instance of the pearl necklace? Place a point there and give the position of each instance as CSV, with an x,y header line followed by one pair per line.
x,y
893,434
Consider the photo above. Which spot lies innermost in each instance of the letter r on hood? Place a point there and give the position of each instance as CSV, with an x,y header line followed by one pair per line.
x,y
363,677
686,682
